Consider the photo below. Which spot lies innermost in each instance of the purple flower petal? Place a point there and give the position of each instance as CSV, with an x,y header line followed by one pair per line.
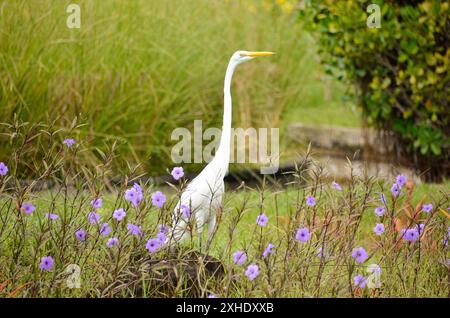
x,y
46,263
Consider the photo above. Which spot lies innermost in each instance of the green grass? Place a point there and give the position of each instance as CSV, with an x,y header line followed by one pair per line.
x,y
339,222
138,69
278,206
282,201
318,111
108,272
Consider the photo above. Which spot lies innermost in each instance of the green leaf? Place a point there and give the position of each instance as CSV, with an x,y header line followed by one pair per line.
x,y
436,149
386,83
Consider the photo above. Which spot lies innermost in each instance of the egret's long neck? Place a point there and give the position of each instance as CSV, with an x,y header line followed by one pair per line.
x,y
223,152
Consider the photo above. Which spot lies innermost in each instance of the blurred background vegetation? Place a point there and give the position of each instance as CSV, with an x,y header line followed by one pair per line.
x,y
138,69
401,71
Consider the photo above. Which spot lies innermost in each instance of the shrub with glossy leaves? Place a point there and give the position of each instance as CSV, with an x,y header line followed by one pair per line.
x,y
400,70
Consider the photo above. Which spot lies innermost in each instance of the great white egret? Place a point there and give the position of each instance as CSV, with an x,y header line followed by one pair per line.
x,y
202,197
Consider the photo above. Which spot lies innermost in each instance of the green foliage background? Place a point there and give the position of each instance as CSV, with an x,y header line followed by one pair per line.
x,y
401,70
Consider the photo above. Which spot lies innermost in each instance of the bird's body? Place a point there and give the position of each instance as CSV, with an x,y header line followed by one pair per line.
x,y
203,196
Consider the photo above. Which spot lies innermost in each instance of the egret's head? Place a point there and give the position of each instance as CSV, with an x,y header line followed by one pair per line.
x,y
244,56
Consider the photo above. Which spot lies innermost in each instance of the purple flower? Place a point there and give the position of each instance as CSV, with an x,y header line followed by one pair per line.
x,y
119,214
269,250
28,208
51,216
105,229
447,237
262,220
401,180
239,257
177,173
46,263
130,194
336,185
383,199
411,235
133,196
379,211
161,237
427,208
185,211
359,254
112,241
80,235
311,201
212,296
134,229
404,232
360,281
97,203
138,188
69,142
3,169
378,229
152,245
158,199
303,235
252,271
94,217
162,228
320,253
395,190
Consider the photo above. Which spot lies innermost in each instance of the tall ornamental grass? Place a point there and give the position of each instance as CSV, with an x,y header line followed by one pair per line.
x,y
136,70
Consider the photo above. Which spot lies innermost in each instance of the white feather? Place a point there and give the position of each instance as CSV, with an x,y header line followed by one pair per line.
x,y
204,194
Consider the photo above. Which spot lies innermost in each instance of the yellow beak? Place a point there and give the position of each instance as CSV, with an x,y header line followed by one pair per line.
x,y
256,54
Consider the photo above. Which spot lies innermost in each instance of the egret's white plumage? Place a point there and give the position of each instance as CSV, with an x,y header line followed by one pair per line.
x,y
204,194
